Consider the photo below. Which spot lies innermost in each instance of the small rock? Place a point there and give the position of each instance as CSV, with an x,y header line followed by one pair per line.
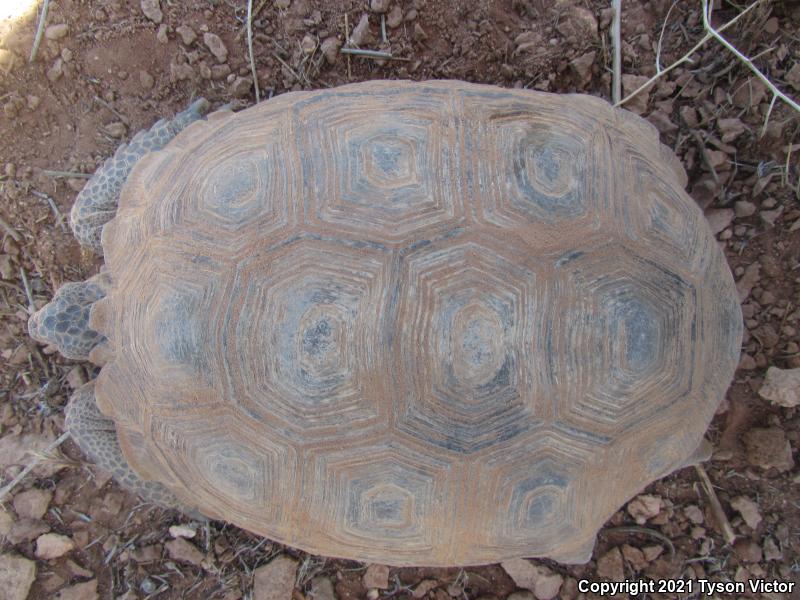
x,y
771,549
770,216
116,129
743,209
694,514
181,550
748,551
634,557
322,589
220,71
419,33
26,530
161,34
6,521
180,72
17,450
182,531
630,83
241,87
652,552
748,509
361,34
610,566
275,580
582,67
719,219
55,72
33,102
152,10
66,54
395,17
283,4
579,24
644,507
379,6
768,448
33,503
781,386
308,44
188,36
425,586
17,574
53,545
80,591
215,45
146,80
77,570
751,276
376,576
730,129
541,580
792,76
57,31
330,49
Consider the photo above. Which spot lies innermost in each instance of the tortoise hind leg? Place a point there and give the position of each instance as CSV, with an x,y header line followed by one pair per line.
x,y
96,204
96,436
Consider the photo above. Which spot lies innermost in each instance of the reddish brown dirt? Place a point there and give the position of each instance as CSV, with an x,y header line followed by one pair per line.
x,y
116,77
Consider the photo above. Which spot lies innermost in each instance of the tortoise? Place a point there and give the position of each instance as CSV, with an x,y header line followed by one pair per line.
x,y
432,323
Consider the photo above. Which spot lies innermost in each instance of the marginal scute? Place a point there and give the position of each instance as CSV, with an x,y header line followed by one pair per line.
x,y
347,319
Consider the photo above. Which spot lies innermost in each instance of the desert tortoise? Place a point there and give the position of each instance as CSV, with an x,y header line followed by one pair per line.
x,y
411,323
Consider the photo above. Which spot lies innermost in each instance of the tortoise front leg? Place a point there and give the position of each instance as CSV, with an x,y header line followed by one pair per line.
x,y
96,436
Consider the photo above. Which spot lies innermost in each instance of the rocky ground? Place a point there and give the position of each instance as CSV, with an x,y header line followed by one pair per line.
x,y
106,69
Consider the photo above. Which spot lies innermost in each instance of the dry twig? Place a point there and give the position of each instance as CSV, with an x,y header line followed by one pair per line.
x,y
715,33
686,57
65,174
372,54
716,508
31,465
39,31
250,49
616,65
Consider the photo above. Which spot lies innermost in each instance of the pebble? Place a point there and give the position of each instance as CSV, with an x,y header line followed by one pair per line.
x,y
379,6
425,586
283,4
26,530
582,67
376,576
161,34
182,531
743,208
33,102
17,574
541,580
694,514
57,31
781,386
395,17
80,591
750,277
361,34
116,129
768,448
610,565
630,83
748,551
216,46
181,550
275,580
66,54
308,44
55,72
188,36
15,450
644,507
634,557
322,589
146,80
220,71
180,72
330,49
33,503
419,33
241,87
748,509
771,549
579,23
719,219
152,10
53,545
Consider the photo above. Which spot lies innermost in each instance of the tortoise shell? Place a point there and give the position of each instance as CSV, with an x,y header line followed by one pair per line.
x,y
414,323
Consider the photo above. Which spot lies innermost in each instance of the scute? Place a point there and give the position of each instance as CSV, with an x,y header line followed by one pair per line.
x,y
414,324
